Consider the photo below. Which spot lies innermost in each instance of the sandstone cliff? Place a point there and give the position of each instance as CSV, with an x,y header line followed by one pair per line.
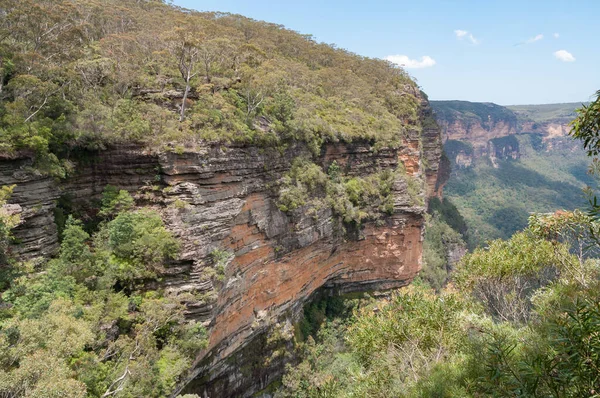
x,y
501,175
224,198
474,122
486,128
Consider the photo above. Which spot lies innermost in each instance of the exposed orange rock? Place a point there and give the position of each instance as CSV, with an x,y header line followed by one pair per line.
x,y
390,253
476,134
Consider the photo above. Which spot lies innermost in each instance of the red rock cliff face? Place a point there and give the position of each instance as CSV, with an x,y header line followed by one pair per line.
x,y
480,124
225,198
281,260
476,133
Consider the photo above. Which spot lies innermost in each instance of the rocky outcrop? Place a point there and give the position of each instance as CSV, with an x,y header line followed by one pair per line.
x,y
549,130
35,196
436,167
223,198
475,132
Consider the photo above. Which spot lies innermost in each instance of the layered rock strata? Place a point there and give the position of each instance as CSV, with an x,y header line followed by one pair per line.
x,y
225,198
485,127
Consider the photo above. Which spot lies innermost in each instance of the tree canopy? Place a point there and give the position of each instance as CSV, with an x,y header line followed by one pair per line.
x,y
586,126
84,324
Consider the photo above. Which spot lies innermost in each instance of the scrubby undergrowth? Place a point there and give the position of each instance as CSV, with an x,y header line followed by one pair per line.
x,y
84,324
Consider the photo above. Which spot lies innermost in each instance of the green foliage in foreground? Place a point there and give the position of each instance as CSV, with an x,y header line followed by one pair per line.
x,y
586,127
470,342
82,325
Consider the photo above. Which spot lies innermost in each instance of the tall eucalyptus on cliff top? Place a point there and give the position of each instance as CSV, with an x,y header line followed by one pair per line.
x,y
586,127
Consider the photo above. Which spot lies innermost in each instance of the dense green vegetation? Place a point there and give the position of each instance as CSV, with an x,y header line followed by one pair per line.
x,y
520,319
354,199
496,202
87,74
84,324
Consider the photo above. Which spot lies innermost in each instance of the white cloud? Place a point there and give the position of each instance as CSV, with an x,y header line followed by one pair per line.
x,y
404,61
564,56
464,34
556,35
534,39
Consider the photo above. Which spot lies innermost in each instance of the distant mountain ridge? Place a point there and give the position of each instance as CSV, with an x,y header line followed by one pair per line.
x,y
479,122
542,113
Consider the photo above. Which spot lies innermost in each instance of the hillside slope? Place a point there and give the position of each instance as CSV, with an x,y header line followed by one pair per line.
x,y
542,113
90,74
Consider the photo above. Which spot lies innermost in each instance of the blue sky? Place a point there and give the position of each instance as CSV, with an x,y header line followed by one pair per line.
x,y
502,51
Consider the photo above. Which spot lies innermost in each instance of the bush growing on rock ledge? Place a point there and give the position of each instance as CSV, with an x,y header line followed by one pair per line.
x,y
8,220
354,199
304,184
